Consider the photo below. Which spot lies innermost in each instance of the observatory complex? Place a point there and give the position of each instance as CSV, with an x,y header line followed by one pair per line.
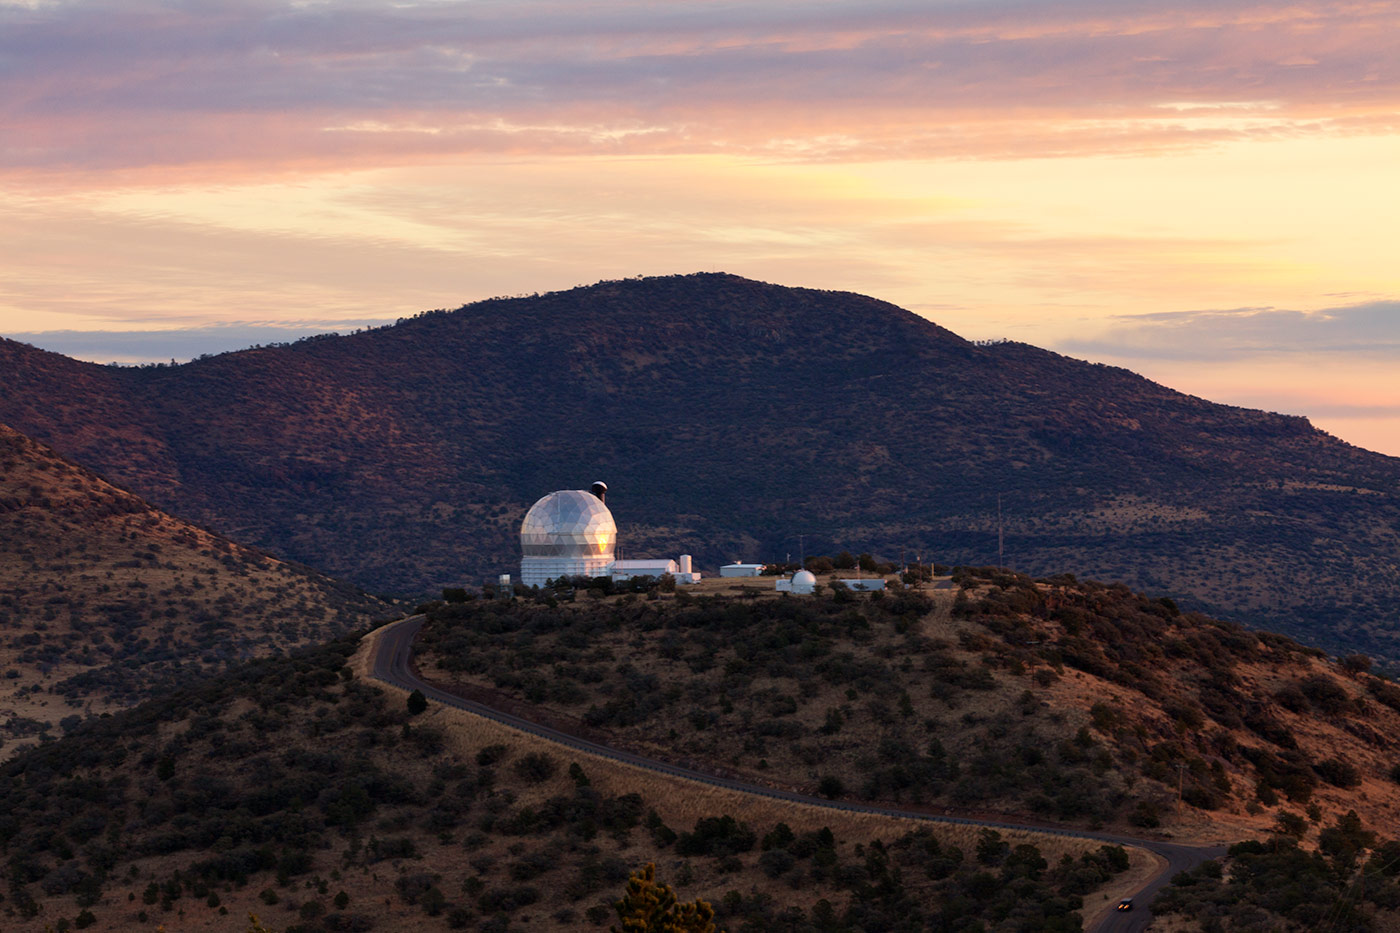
x,y
571,533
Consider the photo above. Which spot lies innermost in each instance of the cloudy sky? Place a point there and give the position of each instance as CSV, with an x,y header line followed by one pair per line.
x,y
1205,192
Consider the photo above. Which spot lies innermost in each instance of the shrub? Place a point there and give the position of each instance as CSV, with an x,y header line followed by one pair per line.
x,y
775,862
1145,814
1338,773
720,836
1326,694
1356,663
490,755
535,767
509,898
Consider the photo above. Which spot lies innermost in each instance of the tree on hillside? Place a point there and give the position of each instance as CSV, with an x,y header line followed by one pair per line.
x,y
651,907
417,702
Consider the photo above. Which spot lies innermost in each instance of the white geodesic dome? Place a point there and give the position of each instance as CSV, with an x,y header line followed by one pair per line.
x,y
570,524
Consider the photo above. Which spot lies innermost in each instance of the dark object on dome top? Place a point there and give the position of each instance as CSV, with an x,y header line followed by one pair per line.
x,y
600,489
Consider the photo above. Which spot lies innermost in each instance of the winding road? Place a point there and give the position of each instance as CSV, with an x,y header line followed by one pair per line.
x,y
392,663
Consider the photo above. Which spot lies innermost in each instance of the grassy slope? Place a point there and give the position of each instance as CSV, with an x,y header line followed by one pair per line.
x,y
729,416
1055,700
279,785
104,598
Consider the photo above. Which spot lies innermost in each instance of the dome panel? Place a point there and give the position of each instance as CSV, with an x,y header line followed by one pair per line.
x,y
569,523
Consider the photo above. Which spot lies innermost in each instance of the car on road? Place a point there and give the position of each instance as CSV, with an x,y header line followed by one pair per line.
x,y
1125,904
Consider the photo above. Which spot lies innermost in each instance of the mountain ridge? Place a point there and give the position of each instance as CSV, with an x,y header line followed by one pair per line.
x,y
730,416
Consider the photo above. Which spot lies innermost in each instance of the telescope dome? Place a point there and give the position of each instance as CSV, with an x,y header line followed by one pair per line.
x,y
570,524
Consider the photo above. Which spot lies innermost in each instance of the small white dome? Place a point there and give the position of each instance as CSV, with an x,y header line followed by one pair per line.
x,y
570,523
804,578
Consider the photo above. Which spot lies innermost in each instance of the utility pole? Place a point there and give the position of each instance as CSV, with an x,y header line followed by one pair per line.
x,y
1001,555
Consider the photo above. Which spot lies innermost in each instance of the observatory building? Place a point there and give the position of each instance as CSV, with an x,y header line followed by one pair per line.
x,y
804,583
571,533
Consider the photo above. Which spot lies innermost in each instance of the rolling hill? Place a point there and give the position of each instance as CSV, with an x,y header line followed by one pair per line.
x,y
105,600
730,416
296,789
1077,702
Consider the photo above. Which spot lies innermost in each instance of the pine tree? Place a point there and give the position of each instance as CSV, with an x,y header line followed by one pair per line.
x,y
651,907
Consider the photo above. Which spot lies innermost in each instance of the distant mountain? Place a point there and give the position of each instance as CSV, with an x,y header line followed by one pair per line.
x,y
104,599
728,417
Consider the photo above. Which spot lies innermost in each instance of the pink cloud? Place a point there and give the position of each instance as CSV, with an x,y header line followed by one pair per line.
x,y
94,86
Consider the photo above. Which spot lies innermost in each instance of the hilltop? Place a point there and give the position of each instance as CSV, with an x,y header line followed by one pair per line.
x,y
1054,700
1062,700
729,416
105,600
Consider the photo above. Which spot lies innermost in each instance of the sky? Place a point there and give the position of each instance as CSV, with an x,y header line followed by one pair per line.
x,y
1205,192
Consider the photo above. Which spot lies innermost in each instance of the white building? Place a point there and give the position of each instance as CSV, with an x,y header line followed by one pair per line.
x,y
627,569
803,583
571,533
741,570
679,570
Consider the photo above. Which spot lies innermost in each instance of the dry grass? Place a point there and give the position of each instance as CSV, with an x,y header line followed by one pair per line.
x,y
91,576
682,802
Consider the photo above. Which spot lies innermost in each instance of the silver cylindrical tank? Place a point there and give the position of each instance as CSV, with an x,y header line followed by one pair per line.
x,y
685,563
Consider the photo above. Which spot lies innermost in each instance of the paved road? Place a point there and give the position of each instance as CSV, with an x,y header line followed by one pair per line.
x,y
393,664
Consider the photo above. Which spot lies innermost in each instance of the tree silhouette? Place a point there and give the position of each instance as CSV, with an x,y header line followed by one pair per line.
x,y
417,702
651,907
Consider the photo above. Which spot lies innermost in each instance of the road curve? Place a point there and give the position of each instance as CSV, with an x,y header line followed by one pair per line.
x,y
392,663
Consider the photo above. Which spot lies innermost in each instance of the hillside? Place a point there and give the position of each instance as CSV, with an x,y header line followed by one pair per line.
x,y
292,788
730,416
105,600
1051,700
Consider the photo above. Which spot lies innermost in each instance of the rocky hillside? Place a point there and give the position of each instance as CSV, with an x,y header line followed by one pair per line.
x,y
730,416
104,599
